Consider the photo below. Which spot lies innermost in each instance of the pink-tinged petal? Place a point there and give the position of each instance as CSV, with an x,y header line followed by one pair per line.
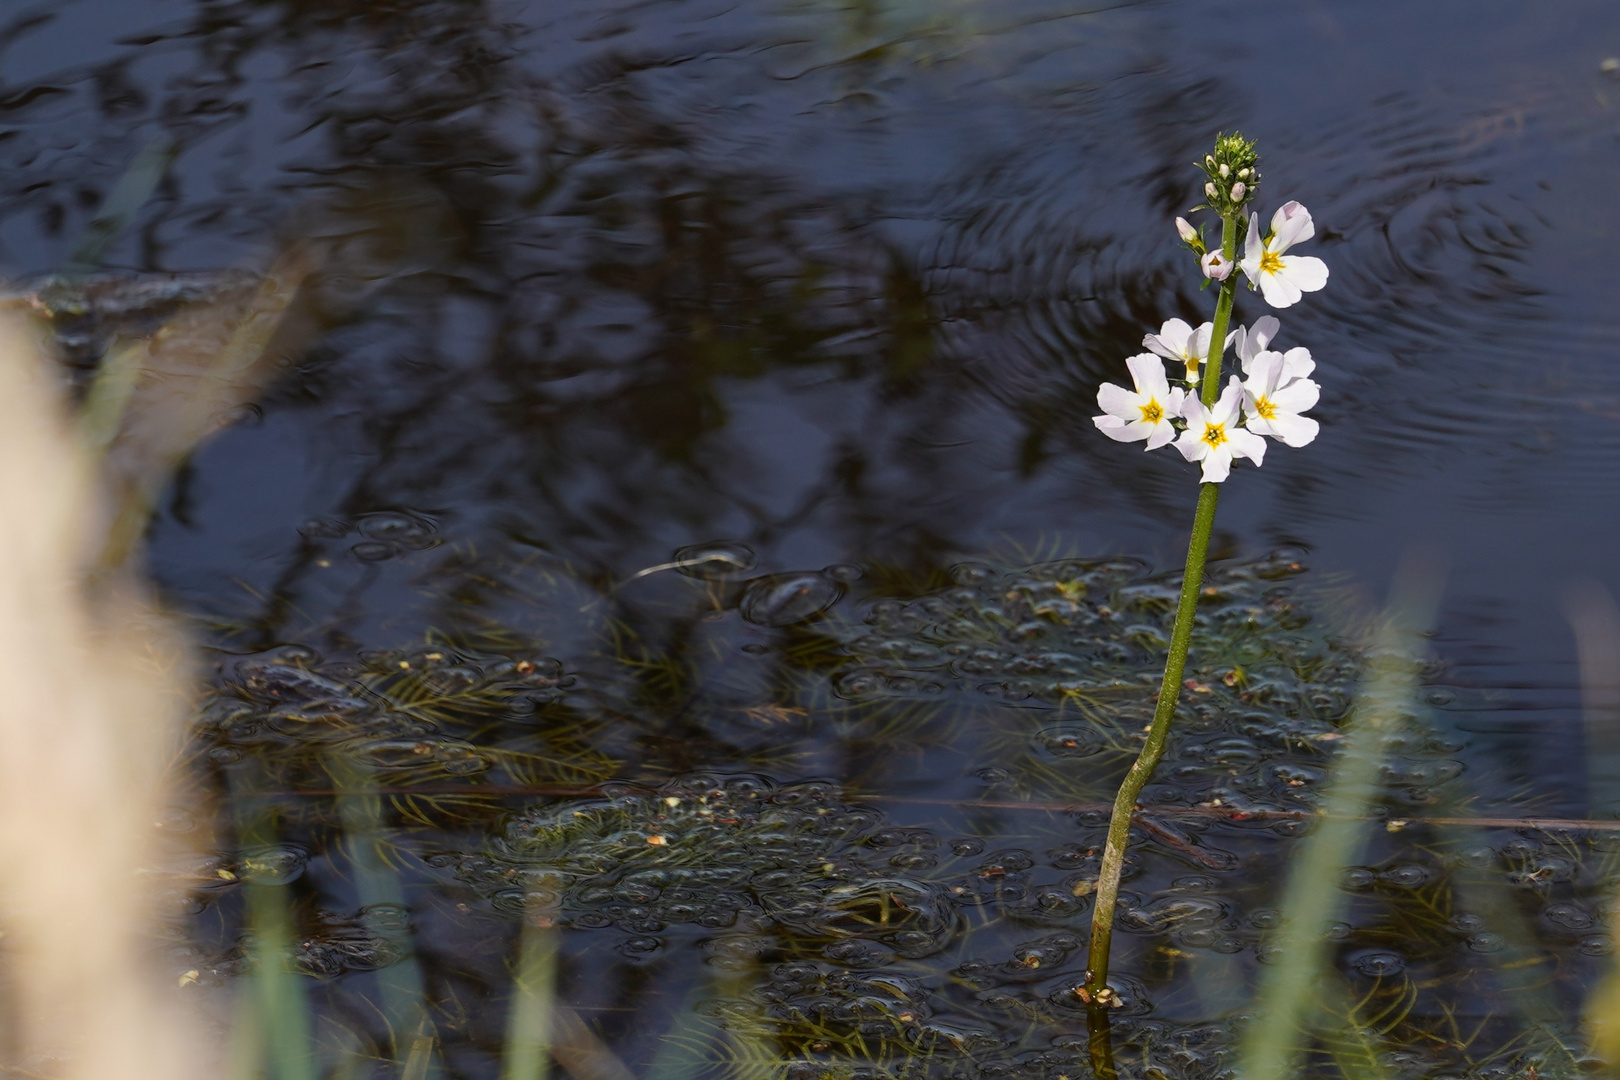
x,y
1277,291
1297,363
1118,401
1253,245
1297,396
1115,428
1290,225
1162,433
1217,467
1148,371
1295,430
1246,444
1304,272
1191,446
1192,411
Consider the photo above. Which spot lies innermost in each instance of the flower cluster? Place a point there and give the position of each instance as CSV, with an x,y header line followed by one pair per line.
x,y
1276,388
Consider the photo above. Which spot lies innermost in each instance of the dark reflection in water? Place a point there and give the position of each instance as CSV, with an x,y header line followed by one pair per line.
x,y
836,282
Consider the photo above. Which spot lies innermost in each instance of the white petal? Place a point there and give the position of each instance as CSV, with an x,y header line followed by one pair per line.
x,y
1297,363
1290,225
1118,401
1148,371
1217,467
1162,433
1198,342
1253,421
1246,444
1304,272
1227,406
1192,410
1152,342
1297,396
1191,446
1115,428
1176,402
1174,333
1253,245
1264,373
1277,291
1265,331
1293,429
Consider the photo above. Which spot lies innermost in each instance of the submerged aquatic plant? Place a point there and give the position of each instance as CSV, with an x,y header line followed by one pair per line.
x,y
1216,425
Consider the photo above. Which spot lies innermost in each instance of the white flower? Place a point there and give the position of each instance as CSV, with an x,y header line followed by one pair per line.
x,y
1179,342
1272,402
1215,266
1145,414
1252,341
1282,279
1213,437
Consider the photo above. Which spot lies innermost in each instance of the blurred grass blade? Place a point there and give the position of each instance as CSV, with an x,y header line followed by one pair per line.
x,y
528,1029
404,1000
1288,1001
283,1013
123,203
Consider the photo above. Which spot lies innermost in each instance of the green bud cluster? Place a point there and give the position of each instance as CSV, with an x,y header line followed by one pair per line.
x,y
1232,174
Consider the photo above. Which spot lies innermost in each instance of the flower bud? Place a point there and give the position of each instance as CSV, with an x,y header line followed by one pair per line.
x,y
1209,189
1226,170
1185,230
1237,191
1215,266
1243,174
1209,161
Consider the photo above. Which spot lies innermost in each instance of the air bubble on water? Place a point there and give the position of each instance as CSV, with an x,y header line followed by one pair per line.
x,y
714,560
778,600
324,528
1379,964
1568,916
408,531
374,551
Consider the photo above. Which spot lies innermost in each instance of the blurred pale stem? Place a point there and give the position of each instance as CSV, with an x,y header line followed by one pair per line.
x,y
1192,581
90,718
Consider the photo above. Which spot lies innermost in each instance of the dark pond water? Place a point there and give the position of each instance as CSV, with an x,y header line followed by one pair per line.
x,y
827,287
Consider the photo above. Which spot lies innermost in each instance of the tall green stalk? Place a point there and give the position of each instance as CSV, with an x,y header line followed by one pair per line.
x,y
1095,990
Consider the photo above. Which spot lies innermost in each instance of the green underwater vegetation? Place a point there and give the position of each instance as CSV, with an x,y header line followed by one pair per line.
x,y
845,824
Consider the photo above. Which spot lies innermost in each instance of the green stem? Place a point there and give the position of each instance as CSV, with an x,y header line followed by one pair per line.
x,y
1095,991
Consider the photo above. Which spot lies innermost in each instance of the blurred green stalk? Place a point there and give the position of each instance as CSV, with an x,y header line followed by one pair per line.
x,y
1313,901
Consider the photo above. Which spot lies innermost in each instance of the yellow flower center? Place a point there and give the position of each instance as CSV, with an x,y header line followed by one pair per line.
x,y
1270,263
1152,412
1214,434
1265,408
